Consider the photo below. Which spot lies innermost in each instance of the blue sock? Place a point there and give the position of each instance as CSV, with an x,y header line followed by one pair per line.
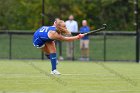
x,y
53,59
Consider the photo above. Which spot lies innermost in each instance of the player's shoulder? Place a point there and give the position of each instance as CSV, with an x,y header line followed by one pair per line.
x,y
53,28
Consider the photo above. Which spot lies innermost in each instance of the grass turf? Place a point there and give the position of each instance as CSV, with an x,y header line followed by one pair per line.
x,y
32,76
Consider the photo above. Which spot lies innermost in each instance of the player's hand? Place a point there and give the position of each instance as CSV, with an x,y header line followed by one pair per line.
x,y
80,36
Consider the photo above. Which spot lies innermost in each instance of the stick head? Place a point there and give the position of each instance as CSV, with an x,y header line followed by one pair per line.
x,y
105,26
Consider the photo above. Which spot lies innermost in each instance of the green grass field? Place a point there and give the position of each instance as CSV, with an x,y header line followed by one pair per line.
x,y
32,76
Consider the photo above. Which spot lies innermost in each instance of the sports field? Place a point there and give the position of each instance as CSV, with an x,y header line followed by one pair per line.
x,y
32,76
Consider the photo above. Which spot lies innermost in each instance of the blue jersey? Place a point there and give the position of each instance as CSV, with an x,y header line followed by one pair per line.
x,y
40,37
85,29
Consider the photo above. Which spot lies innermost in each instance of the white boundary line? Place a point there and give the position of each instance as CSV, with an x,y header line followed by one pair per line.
x,y
79,74
65,74
36,74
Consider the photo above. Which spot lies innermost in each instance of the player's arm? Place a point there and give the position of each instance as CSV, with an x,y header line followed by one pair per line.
x,y
56,36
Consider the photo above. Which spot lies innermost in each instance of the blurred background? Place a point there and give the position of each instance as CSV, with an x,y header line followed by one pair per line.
x,y
27,14
20,18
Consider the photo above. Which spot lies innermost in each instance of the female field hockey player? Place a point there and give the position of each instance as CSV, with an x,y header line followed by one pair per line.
x,y
44,38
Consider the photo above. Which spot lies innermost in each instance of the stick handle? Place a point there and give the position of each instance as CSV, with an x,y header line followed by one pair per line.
x,y
98,30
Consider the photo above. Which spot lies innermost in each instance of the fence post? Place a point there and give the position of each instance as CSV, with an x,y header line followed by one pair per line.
x,y
137,30
59,45
104,33
60,48
73,51
43,18
10,46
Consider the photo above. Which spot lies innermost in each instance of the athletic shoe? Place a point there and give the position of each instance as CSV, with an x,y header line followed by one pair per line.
x,y
55,72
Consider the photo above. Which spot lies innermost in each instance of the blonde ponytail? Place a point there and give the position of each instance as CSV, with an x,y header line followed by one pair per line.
x,y
60,28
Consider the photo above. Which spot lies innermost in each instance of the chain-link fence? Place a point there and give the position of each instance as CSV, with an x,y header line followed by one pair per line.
x,y
116,46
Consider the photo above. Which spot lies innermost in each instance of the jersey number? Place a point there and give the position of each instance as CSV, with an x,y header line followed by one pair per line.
x,y
43,29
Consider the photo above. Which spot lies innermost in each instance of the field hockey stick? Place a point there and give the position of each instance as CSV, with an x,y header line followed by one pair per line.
x,y
97,30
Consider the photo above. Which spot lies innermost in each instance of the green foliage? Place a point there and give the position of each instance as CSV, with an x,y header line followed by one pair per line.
x,y
27,14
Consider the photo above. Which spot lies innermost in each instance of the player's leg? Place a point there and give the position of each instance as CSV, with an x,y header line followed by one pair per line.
x,y
46,51
51,50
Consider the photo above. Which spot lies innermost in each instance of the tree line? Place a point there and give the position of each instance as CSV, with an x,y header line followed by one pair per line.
x,y
27,14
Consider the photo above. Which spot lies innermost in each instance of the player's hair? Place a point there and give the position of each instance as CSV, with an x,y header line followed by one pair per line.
x,y
60,29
